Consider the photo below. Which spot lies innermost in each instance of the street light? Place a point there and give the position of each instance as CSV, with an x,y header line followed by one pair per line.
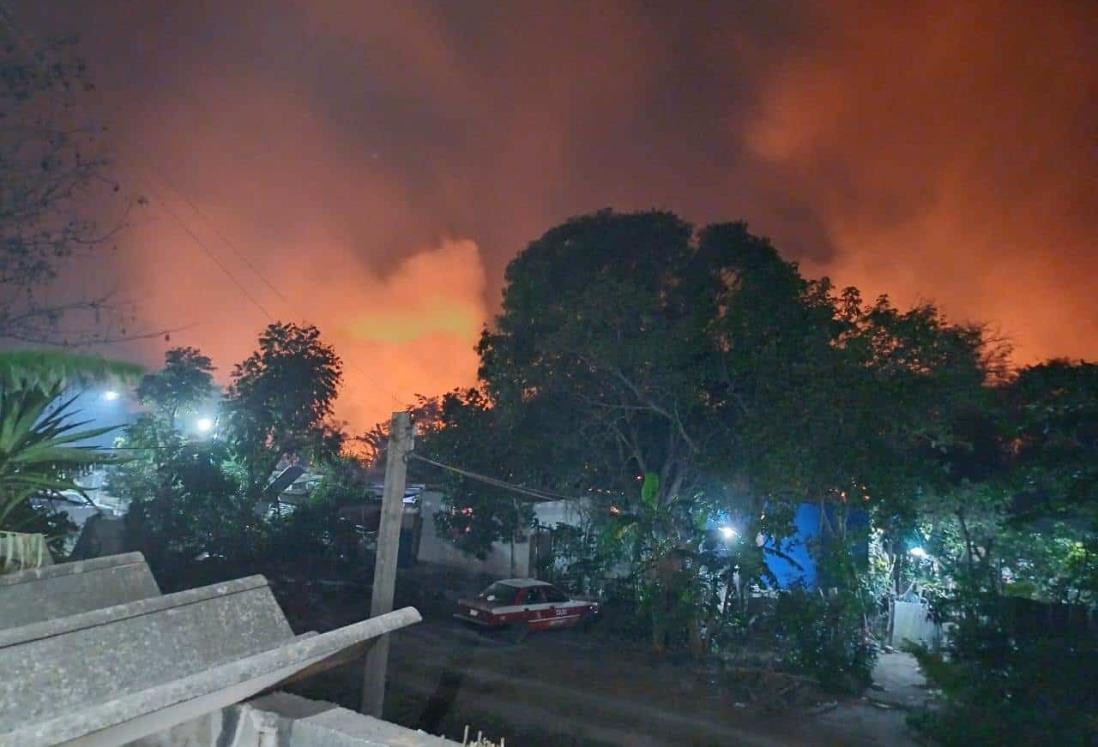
x,y
918,552
728,533
111,395
204,425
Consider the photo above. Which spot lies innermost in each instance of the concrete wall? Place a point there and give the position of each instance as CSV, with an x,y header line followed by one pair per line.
x,y
285,720
911,622
55,591
435,549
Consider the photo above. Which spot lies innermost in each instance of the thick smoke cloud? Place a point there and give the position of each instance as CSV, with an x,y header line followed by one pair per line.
x,y
951,152
379,163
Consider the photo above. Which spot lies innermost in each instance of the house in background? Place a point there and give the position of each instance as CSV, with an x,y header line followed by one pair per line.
x,y
801,566
533,549
517,559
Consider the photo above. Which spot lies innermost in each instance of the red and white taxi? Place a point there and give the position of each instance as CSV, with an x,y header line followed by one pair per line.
x,y
523,605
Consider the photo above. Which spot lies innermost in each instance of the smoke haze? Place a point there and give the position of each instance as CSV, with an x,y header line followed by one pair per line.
x,y
378,164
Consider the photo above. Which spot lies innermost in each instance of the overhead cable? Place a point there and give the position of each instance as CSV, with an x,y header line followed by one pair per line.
x,y
541,495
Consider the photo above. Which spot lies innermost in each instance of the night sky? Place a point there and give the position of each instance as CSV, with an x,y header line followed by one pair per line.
x,y
379,163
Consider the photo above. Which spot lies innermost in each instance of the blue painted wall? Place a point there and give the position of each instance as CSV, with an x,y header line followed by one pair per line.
x,y
807,532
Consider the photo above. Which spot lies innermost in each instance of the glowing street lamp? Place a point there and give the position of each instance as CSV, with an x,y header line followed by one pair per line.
x,y
204,425
111,395
918,552
728,533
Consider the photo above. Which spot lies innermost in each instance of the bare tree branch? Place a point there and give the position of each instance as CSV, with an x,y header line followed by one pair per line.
x,y
50,166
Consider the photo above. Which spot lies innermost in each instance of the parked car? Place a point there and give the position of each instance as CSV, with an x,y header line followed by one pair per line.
x,y
522,605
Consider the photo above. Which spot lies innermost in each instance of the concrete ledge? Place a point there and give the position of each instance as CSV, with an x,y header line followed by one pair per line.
x,y
119,612
280,719
56,591
129,716
313,723
130,648
340,727
68,569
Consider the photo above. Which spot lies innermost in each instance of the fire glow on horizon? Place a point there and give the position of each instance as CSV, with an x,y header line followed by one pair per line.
x,y
381,163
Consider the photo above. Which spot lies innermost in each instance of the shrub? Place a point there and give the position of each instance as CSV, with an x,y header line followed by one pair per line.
x,y
824,636
1003,686
316,538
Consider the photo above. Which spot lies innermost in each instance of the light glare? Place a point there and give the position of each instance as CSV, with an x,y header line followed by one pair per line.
x,y
728,533
204,425
111,395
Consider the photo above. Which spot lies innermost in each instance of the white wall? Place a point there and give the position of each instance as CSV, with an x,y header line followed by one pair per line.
x,y
435,549
911,622
551,513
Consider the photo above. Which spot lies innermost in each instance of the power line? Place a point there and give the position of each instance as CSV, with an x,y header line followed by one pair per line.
x,y
159,172
209,252
251,266
7,17
541,495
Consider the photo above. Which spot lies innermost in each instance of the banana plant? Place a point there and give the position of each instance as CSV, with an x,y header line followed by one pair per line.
x,y
662,535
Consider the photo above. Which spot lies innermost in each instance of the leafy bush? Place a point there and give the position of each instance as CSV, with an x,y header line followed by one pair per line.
x,y
823,635
1003,686
622,613
316,538
44,446
186,507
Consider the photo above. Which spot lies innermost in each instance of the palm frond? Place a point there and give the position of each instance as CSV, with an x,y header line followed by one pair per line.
x,y
43,368
43,445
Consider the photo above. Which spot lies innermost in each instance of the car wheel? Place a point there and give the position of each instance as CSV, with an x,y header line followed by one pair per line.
x,y
517,633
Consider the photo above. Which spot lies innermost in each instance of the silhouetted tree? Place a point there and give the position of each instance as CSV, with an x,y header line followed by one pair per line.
x,y
51,172
631,350
279,404
181,387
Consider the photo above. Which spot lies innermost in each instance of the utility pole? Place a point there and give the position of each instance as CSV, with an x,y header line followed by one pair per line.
x,y
401,443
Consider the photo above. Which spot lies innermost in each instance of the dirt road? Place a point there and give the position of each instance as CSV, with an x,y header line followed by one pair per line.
x,y
577,692
572,688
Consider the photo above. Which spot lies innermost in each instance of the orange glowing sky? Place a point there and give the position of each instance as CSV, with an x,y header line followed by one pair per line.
x,y
379,163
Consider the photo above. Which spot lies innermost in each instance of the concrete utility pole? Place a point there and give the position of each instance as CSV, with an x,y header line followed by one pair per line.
x,y
401,443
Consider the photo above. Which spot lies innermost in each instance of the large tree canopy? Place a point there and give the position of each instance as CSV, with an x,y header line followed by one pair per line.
x,y
195,491
1053,421
596,349
630,344
676,378
181,387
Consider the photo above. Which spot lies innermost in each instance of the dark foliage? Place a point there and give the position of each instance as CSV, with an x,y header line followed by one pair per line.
x,y
1006,685
823,635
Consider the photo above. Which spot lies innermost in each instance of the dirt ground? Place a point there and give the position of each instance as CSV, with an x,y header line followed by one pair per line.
x,y
577,688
